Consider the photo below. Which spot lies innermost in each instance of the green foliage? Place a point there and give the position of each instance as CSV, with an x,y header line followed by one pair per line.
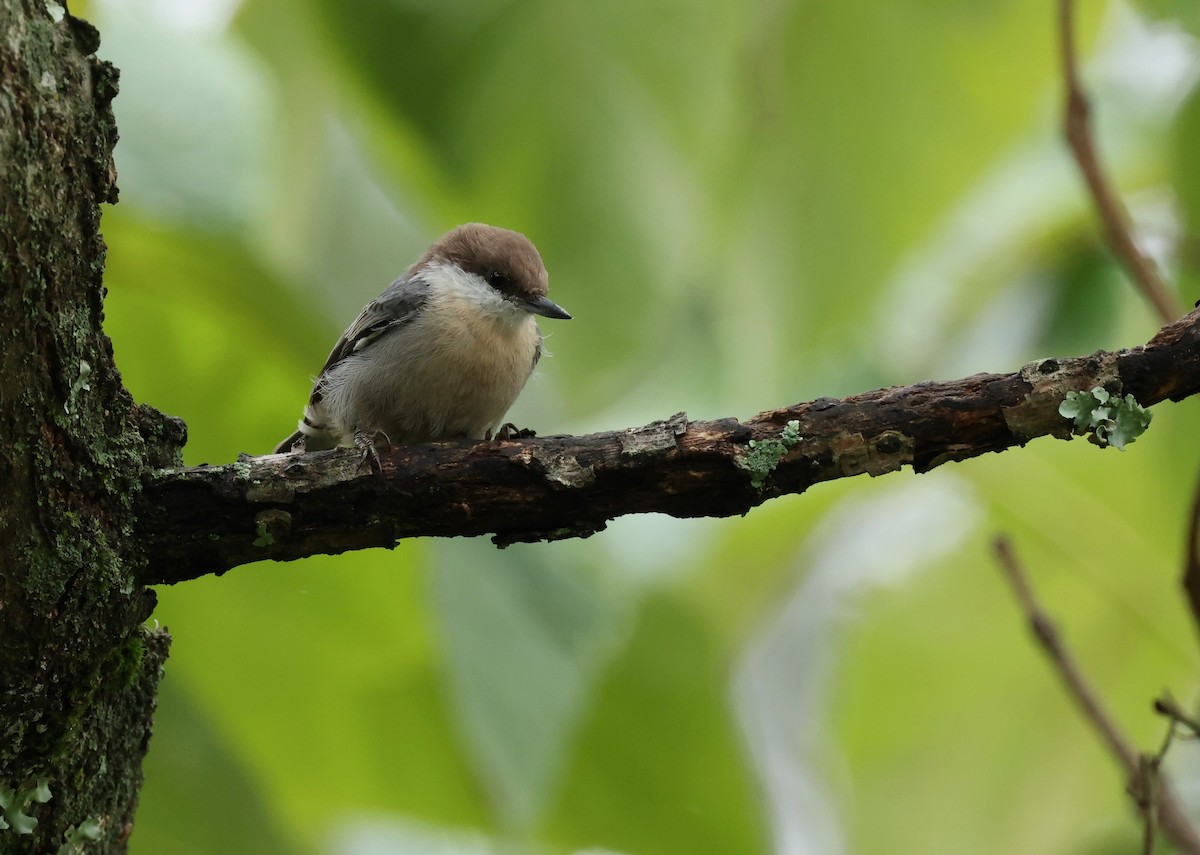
x,y
1113,421
756,205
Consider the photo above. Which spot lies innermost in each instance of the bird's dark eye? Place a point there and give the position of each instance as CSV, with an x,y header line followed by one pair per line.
x,y
498,279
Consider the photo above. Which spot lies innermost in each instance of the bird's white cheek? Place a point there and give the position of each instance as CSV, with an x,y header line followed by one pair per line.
x,y
468,293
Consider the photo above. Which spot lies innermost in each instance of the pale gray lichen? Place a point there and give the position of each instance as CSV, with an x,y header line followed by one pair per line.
x,y
563,469
272,489
14,803
80,384
654,438
1113,420
77,835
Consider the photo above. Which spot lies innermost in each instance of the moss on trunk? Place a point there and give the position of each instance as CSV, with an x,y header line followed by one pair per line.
x,y
78,670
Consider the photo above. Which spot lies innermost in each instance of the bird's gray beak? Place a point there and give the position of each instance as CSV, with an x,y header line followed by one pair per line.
x,y
544,306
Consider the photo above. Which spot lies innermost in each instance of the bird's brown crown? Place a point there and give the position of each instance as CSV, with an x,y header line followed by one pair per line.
x,y
505,259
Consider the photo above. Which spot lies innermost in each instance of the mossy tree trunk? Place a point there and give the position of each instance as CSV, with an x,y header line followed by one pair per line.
x,y
78,670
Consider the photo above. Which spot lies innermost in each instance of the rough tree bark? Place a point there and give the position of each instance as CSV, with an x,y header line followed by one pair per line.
x,y
96,503
78,671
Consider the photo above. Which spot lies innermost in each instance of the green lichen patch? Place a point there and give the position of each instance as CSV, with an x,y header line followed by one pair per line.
x,y
764,454
265,538
1112,420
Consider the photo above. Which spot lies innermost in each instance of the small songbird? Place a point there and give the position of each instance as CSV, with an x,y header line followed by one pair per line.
x,y
442,352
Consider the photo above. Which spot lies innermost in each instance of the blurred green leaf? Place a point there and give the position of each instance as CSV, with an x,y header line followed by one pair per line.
x,y
658,765
328,684
199,798
1083,285
1185,176
523,633
204,331
195,116
1182,13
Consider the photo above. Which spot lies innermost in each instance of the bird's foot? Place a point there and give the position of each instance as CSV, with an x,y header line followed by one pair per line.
x,y
365,443
510,431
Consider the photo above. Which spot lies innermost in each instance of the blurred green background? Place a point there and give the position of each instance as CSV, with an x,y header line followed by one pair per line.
x,y
745,205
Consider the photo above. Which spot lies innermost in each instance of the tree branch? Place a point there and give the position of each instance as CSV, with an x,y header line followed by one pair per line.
x,y
1118,229
208,519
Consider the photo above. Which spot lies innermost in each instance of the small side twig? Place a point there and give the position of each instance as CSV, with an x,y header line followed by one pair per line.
x,y
1166,707
1118,229
1144,788
1076,685
1151,791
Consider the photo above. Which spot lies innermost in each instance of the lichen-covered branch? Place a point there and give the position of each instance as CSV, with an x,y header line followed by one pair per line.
x,y
208,519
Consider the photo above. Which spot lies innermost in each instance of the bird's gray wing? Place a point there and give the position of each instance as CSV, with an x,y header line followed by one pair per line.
x,y
537,353
396,306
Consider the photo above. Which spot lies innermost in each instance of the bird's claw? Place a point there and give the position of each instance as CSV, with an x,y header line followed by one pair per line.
x,y
508,430
365,443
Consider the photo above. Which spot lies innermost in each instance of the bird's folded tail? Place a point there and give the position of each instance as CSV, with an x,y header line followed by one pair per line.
x,y
312,434
288,444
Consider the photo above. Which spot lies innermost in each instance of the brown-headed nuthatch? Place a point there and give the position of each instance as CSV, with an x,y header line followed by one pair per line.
x,y
443,352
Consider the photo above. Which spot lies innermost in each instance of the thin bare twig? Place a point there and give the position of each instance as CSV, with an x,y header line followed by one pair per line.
x,y
1143,791
1191,558
1151,791
1118,228
1047,636
1144,788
